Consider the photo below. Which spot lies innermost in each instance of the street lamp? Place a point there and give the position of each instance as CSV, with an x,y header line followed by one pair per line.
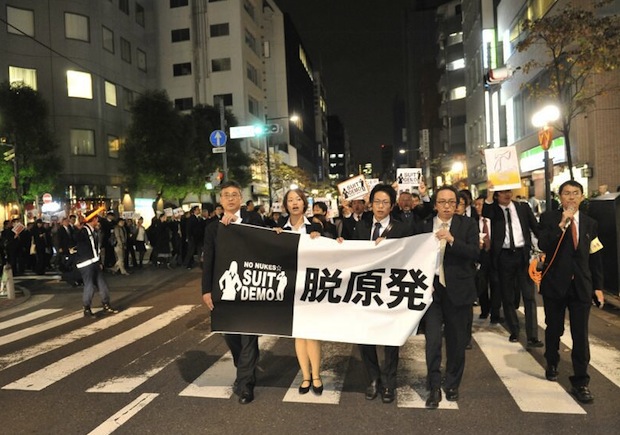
x,y
541,120
292,118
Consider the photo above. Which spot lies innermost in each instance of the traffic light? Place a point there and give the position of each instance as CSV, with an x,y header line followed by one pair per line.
x,y
263,129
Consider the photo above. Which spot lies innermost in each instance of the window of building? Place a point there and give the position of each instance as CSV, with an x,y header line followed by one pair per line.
x,y
110,93
140,14
82,142
23,76
79,85
252,73
455,38
219,30
178,3
125,50
182,69
253,106
458,93
114,146
123,5
228,99
456,65
213,1
184,103
220,64
20,21
77,27
250,40
249,8
107,39
178,35
141,60
127,99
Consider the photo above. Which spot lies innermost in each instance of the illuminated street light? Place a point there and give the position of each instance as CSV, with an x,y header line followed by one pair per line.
x,y
541,120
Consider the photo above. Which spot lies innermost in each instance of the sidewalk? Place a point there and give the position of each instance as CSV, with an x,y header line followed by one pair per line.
x,y
122,287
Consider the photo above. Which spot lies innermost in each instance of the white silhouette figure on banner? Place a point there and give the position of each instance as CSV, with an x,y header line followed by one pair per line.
x,y
282,282
230,282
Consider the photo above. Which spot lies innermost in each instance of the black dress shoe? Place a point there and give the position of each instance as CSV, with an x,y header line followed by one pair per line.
x,y
534,342
452,394
513,338
302,389
373,389
469,346
582,394
433,399
317,390
387,395
246,397
551,373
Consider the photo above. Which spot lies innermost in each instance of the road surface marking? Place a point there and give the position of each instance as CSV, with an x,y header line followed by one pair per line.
x,y
28,317
123,416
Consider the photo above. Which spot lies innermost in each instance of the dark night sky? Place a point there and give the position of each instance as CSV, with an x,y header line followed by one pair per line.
x,y
357,45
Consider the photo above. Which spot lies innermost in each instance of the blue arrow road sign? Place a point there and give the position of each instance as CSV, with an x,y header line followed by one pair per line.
x,y
217,138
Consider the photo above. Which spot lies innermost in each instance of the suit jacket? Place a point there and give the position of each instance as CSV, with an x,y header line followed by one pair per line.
x,y
570,263
498,227
309,227
349,224
396,230
459,261
209,246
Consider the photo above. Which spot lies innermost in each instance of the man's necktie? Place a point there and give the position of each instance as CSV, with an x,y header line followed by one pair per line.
x,y
486,239
511,235
573,231
442,251
377,232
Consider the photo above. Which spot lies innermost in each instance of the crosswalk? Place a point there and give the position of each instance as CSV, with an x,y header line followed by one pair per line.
x,y
518,370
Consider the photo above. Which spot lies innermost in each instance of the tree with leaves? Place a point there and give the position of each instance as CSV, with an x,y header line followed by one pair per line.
x,y
578,44
282,175
24,125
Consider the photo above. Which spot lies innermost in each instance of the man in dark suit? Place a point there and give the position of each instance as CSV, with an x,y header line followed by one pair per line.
x,y
244,348
359,213
511,225
454,292
413,207
382,226
573,279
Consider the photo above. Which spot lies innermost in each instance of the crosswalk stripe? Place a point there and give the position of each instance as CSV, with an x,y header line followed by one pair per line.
x,y
35,329
217,381
335,360
523,376
20,356
47,376
28,317
603,357
412,376
122,416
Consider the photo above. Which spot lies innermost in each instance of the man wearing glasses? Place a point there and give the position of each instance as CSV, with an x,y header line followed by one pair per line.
x,y
573,280
244,348
382,226
454,292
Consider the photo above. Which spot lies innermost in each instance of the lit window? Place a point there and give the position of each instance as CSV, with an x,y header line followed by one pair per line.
x,y
23,76
19,21
341,156
76,27
455,65
82,142
332,156
79,85
141,60
114,146
458,93
107,39
110,93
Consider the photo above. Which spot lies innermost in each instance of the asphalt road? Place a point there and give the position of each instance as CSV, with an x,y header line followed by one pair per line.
x,y
156,368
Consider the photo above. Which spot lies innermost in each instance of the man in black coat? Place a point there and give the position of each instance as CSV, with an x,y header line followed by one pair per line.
x,y
454,292
573,279
511,225
244,348
382,226
359,213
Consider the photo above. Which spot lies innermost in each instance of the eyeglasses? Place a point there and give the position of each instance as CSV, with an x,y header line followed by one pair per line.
x,y
573,193
230,195
380,202
444,202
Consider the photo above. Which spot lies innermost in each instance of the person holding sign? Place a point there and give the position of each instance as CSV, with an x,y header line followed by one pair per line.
x,y
573,278
308,351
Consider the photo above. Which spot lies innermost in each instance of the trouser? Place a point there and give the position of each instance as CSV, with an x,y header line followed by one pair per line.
x,y
244,349
387,375
92,275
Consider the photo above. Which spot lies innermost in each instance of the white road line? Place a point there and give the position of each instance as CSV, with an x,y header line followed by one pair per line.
x,y
335,362
55,343
217,381
122,416
28,317
603,357
412,392
18,335
45,377
524,377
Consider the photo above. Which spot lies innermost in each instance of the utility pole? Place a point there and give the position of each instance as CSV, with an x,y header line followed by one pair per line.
x,y
223,128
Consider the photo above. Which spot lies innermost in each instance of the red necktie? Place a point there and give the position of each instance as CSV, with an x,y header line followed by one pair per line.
x,y
573,230
486,239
